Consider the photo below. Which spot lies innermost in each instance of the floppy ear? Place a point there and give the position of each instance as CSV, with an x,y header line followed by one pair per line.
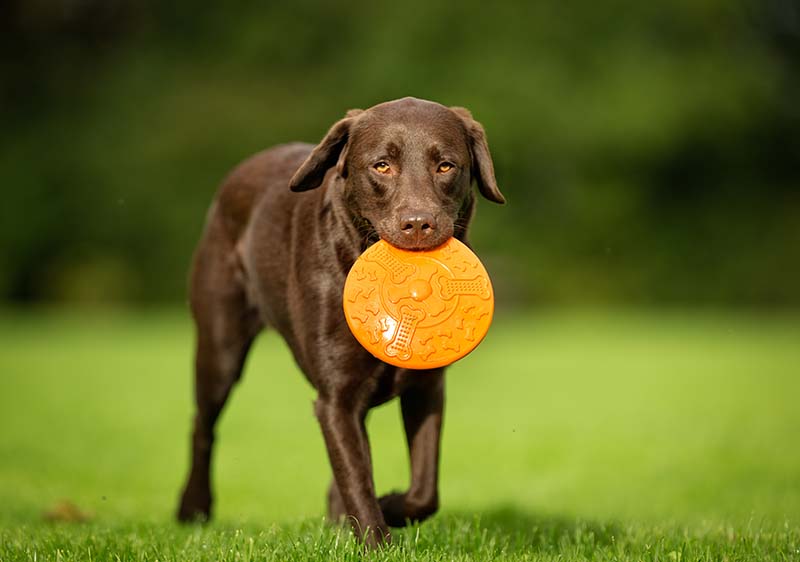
x,y
332,150
482,165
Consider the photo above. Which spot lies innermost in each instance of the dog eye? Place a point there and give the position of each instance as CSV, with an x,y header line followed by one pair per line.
x,y
382,168
444,167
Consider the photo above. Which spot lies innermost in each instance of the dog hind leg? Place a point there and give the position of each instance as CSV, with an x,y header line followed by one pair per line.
x,y
226,327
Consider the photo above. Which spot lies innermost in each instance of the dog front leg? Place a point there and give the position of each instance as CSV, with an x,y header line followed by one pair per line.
x,y
348,451
422,405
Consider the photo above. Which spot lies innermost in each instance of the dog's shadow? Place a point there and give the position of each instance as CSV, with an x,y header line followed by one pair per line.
x,y
510,529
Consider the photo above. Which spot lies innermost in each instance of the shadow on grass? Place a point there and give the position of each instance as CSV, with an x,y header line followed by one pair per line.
x,y
510,529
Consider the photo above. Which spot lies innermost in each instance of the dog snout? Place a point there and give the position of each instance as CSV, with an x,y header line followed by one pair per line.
x,y
417,227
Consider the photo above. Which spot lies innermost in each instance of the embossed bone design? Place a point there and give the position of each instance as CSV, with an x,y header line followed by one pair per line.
x,y
398,270
400,346
359,292
479,287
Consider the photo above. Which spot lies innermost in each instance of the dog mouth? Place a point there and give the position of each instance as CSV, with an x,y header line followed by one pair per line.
x,y
418,246
369,235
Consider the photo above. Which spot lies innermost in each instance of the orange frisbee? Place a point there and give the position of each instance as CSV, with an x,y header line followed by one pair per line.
x,y
418,310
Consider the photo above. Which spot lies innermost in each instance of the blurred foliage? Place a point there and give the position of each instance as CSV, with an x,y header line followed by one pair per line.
x,y
648,150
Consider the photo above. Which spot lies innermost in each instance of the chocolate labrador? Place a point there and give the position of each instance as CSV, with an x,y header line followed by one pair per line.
x,y
280,238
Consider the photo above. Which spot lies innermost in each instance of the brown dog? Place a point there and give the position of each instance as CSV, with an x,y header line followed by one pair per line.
x,y
271,256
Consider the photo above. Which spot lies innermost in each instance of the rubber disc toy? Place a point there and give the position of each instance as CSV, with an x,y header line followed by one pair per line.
x,y
418,310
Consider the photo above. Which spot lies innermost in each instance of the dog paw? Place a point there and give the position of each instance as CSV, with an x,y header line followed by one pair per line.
x,y
393,508
375,537
194,510
399,509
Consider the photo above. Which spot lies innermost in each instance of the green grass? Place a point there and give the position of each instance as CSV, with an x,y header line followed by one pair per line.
x,y
652,435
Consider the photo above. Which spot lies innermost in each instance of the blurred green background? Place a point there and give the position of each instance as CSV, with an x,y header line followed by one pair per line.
x,y
648,150
643,363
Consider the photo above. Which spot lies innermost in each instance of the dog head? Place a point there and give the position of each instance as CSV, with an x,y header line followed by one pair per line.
x,y
407,168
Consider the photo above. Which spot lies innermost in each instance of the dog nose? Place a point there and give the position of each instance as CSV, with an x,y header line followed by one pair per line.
x,y
417,226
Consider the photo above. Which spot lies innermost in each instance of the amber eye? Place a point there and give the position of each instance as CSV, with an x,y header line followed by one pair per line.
x,y
382,168
444,167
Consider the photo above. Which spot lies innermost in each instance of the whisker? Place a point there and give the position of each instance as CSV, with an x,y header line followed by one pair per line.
x,y
366,232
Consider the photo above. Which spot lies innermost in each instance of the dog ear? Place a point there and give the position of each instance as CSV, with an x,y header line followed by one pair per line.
x,y
331,151
482,165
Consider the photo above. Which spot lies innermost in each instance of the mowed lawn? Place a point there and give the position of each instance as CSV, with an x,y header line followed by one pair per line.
x,y
645,435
